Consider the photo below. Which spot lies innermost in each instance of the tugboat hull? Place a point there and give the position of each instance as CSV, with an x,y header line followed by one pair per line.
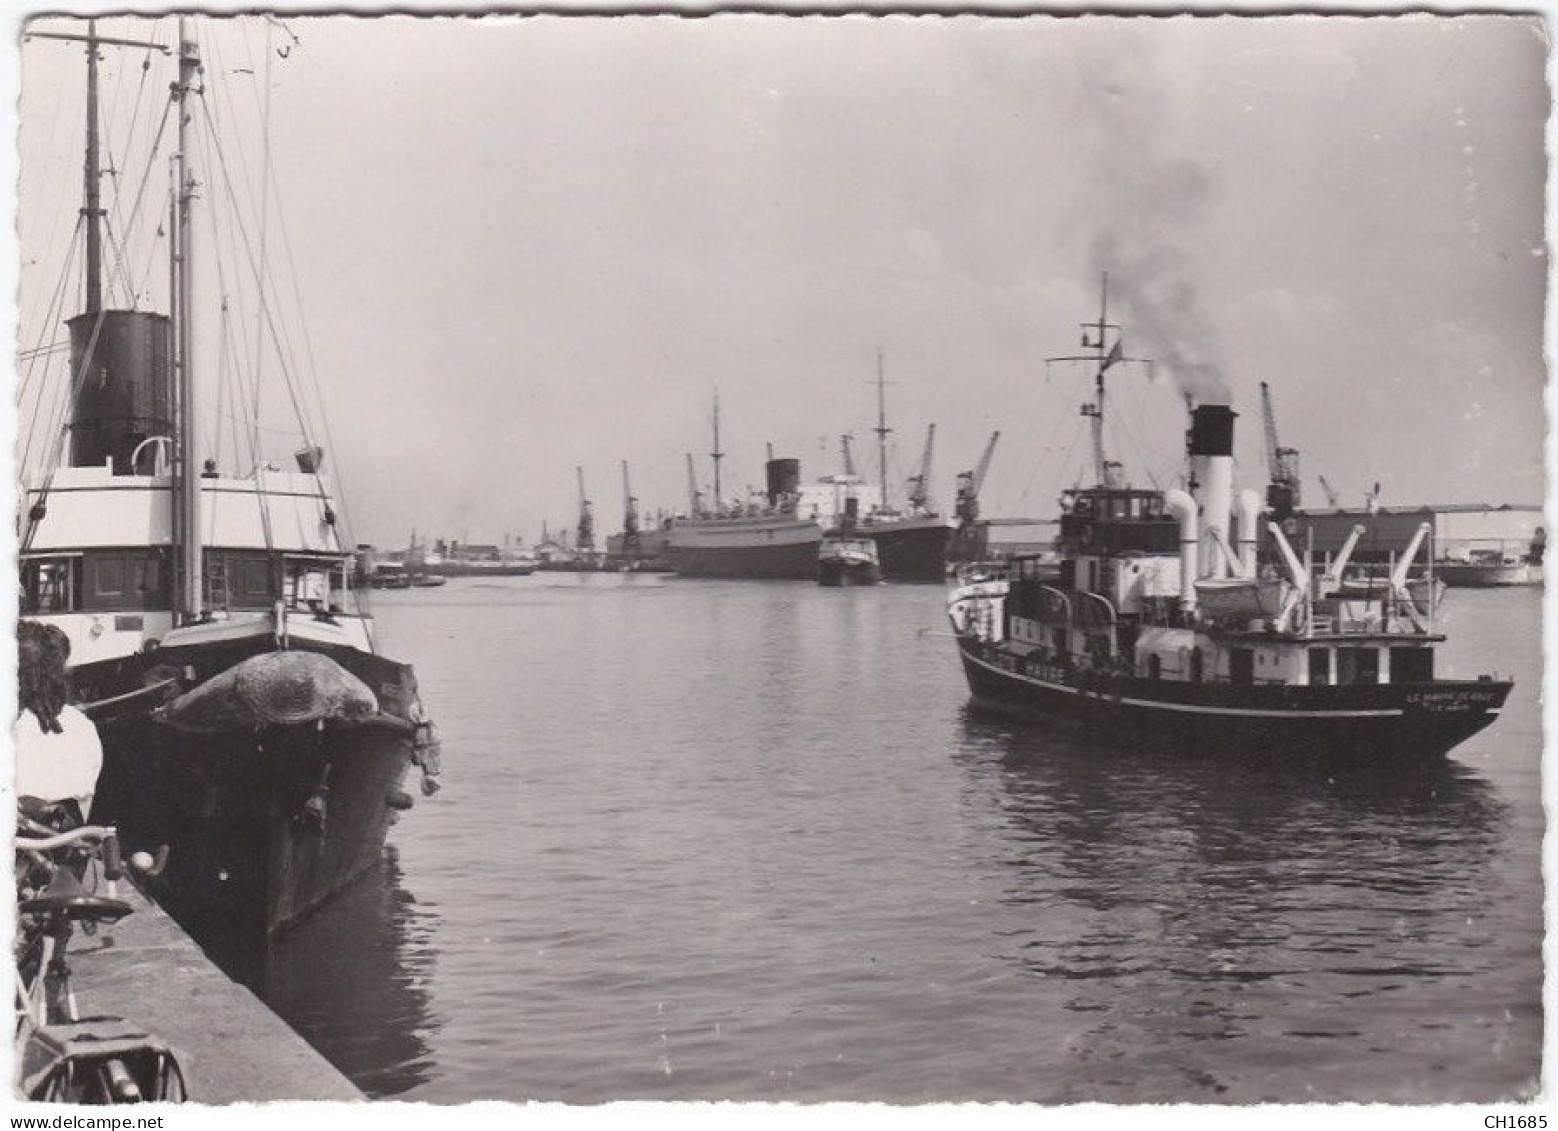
x,y
1372,722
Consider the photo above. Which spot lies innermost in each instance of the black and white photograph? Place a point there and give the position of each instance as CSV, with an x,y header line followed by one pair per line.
x,y
874,558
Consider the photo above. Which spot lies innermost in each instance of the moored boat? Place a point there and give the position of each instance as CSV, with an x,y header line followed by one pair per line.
x,y
843,560
1490,566
764,538
249,721
912,544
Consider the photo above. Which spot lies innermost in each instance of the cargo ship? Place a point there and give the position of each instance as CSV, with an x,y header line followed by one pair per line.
x,y
1168,626
912,544
255,737
766,538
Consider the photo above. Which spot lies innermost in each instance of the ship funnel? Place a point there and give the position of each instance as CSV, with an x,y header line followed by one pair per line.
x,y
1211,466
122,380
784,478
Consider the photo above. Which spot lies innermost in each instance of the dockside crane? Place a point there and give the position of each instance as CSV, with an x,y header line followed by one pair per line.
x,y
584,540
969,539
970,482
1284,493
629,511
919,484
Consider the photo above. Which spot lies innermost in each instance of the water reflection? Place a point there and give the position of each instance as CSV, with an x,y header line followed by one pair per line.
x,y
1301,915
356,979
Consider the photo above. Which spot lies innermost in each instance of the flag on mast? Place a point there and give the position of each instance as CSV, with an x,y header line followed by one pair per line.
x,y
1116,353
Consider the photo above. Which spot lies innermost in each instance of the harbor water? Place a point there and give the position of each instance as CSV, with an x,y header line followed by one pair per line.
x,y
723,840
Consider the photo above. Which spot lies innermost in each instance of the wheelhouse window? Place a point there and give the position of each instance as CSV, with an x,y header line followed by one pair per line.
x,y
1411,665
1357,665
51,584
124,579
241,580
314,583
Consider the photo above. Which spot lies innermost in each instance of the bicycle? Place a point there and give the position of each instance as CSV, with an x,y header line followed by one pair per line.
x,y
63,1056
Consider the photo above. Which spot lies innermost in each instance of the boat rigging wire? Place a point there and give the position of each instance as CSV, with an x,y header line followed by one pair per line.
x,y
113,167
212,108
260,282
1058,424
135,207
287,358
38,357
41,366
209,144
1123,429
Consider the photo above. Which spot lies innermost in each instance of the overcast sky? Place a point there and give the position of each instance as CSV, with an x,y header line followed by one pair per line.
x,y
526,244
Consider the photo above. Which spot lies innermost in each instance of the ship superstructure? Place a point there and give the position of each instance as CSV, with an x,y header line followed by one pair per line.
x,y
1186,618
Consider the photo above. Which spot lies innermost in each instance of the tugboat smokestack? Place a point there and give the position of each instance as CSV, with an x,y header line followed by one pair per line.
x,y
1211,430
1211,463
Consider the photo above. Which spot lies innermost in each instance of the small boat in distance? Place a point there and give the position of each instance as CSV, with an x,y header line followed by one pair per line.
x,y
1493,564
847,560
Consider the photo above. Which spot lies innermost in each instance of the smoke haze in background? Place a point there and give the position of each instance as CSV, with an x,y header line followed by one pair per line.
x,y
1152,210
530,244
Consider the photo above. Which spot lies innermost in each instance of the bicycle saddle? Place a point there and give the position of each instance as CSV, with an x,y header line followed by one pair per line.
x,y
65,896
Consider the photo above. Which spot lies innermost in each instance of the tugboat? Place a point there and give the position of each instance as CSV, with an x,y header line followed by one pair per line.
x,y
846,560
846,556
1166,627
250,725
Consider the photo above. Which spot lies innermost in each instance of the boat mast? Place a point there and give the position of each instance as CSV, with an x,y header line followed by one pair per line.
x,y
882,430
1096,337
92,208
186,489
716,453
1096,409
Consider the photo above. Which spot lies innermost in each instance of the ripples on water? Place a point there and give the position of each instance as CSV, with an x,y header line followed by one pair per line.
x,y
747,841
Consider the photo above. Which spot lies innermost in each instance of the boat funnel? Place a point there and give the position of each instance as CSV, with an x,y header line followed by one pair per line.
x,y
121,373
1211,465
784,478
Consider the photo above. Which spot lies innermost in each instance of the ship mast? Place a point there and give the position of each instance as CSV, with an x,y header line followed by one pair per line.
x,y
1105,353
882,430
92,207
1100,464
186,483
716,453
